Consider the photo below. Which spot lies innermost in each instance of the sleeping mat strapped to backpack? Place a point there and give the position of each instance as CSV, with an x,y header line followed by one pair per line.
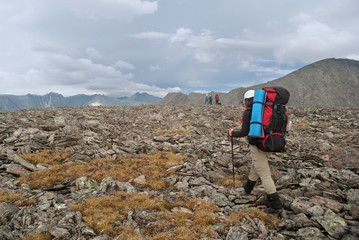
x,y
256,126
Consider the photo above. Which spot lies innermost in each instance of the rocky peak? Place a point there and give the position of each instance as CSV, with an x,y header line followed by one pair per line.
x,y
326,83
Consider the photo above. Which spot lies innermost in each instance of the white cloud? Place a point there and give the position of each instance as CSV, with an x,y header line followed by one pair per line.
x,y
201,91
313,41
93,53
203,56
181,35
150,35
154,68
70,76
301,18
353,56
124,65
123,10
234,42
200,45
205,47
252,66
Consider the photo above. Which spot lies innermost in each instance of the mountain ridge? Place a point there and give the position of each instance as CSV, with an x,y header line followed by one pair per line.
x,y
10,103
325,83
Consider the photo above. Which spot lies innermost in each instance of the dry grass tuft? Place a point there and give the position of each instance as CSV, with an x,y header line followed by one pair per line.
x,y
101,214
227,182
16,198
52,157
49,177
154,167
185,123
25,202
38,236
127,233
9,197
302,125
171,133
269,220
184,224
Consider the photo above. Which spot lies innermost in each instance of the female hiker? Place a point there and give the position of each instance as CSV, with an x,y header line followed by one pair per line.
x,y
260,167
217,99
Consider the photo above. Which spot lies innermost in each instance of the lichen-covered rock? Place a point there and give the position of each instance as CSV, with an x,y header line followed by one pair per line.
x,y
84,183
109,184
237,233
332,223
353,196
301,205
310,233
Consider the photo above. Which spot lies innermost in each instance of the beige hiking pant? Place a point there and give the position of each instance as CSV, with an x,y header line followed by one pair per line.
x,y
260,169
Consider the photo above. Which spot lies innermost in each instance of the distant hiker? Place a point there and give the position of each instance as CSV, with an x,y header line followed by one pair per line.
x,y
206,99
260,167
210,99
217,99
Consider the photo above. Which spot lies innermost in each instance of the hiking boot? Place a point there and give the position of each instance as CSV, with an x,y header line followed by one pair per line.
x,y
248,186
274,201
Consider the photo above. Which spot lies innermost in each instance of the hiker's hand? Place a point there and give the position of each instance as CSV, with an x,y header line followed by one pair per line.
x,y
230,132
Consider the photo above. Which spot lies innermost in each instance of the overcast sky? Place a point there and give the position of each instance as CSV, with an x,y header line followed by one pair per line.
x,y
120,47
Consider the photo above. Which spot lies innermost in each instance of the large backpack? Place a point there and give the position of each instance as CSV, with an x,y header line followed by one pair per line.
x,y
274,120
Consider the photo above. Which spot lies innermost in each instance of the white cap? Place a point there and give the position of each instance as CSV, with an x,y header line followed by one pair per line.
x,y
249,94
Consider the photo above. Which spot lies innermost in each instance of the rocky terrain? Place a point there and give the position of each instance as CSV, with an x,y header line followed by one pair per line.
x,y
193,196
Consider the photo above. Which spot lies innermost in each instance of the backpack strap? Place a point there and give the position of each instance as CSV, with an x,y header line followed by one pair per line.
x,y
259,124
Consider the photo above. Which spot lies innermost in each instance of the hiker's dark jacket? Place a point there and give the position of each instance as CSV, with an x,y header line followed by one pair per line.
x,y
246,120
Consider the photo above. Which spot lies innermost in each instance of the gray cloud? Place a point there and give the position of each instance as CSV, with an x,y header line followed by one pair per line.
x,y
119,47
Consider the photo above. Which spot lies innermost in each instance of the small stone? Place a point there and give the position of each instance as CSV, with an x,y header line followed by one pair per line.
x,y
60,233
140,180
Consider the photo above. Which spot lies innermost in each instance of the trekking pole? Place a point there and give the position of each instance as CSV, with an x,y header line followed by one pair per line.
x,y
234,183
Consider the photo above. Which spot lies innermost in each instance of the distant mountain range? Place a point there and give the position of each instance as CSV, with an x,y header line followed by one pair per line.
x,y
326,83
12,103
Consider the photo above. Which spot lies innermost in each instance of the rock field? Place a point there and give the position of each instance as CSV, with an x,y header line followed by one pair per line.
x,y
317,178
